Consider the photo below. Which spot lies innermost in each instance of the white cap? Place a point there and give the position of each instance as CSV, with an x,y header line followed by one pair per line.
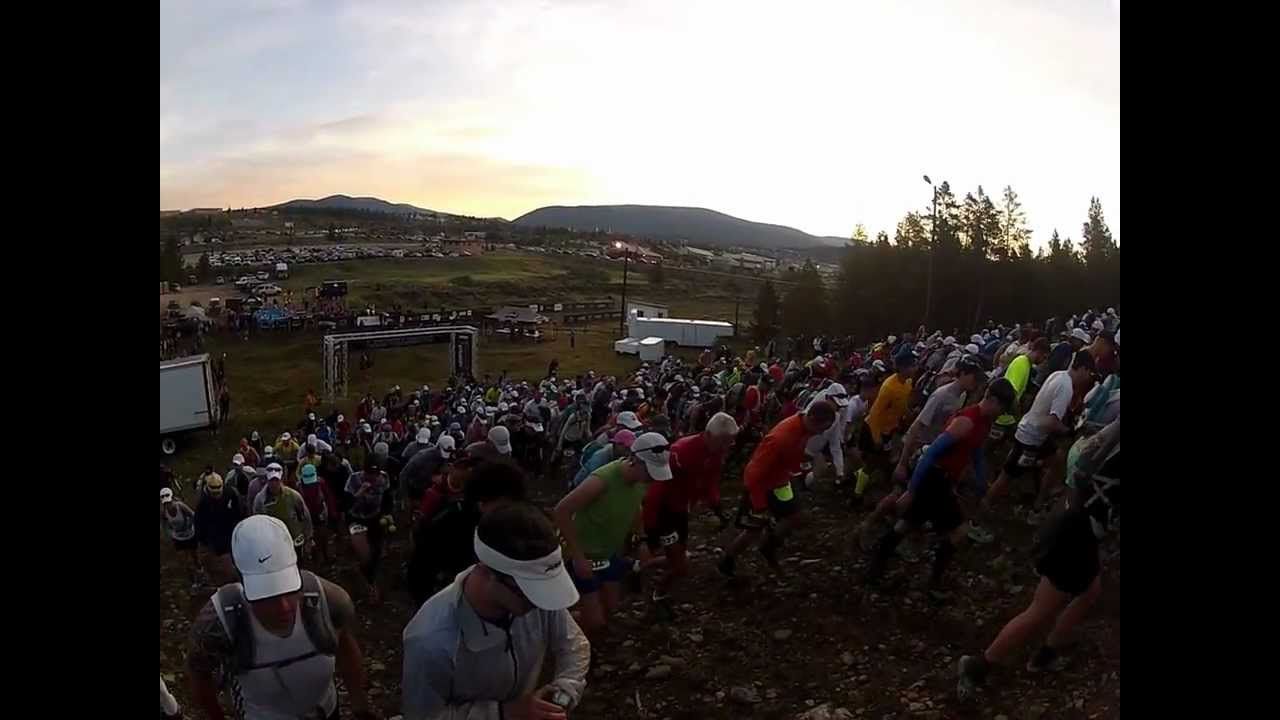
x,y
446,445
503,407
652,449
543,580
1081,335
975,338
501,439
949,340
341,418
837,394
424,436
893,339
722,424
237,459
971,349
166,495
268,451
312,439
286,437
628,420
275,471
263,553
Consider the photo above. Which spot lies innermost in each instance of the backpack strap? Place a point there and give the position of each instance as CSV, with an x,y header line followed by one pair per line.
x,y
315,615
233,611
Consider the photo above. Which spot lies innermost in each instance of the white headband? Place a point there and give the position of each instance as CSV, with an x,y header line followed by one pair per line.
x,y
537,569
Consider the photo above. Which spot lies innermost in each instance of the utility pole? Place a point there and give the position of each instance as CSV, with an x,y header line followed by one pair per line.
x,y
933,241
626,259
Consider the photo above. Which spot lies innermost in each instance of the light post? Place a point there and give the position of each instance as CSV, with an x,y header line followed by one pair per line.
x,y
626,259
933,239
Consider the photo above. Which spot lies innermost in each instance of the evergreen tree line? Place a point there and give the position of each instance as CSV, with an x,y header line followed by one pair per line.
x,y
983,268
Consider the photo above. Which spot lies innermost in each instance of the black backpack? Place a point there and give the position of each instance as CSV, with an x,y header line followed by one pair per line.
x,y
235,619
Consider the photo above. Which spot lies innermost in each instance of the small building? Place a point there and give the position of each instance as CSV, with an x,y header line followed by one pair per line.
x,y
640,308
515,323
471,245
699,255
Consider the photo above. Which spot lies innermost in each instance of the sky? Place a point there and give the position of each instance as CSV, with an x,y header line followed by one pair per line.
x,y
817,115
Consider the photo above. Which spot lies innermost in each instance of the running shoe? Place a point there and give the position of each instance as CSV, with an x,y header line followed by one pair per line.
x,y
727,567
664,608
1046,659
980,535
972,671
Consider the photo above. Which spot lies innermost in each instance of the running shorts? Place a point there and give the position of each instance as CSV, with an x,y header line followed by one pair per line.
x,y
612,569
780,503
672,529
1066,552
868,446
935,502
1026,457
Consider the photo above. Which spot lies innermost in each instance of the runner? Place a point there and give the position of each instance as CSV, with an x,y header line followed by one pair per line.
x,y
277,636
831,441
369,500
696,465
1033,441
864,397
595,520
421,469
179,521
883,419
769,506
932,494
217,513
475,650
495,446
929,423
615,449
286,505
1068,563
322,506
169,709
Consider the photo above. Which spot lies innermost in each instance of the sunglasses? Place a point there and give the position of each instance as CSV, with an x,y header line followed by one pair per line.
x,y
658,450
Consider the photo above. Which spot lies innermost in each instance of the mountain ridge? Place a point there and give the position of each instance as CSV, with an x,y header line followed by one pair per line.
x,y
675,223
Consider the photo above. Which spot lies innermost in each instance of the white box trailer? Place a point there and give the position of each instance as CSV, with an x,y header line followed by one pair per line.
x,y
627,346
652,349
187,399
685,333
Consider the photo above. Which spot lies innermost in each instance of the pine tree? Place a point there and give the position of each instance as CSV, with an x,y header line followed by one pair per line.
x,y
204,271
859,236
171,261
767,312
1096,242
804,307
912,232
1015,236
882,239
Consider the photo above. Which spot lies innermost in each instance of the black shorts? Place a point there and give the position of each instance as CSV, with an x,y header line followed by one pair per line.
x,y
870,449
188,545
1066,552
1026,457
779,509
672,529
935,502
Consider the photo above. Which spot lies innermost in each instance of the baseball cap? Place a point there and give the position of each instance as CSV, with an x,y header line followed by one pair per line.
x,y
1081,335
424,436
237,459
308,474
975,338
628,420
949,340
625,438
971,349
275,471
838,395
166,495
904,358
651,448
285,437
263,553
268,451
501,439
446,445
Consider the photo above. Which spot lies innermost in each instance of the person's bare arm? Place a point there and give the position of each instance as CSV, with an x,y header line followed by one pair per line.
x,y
569,505
207,645
349,658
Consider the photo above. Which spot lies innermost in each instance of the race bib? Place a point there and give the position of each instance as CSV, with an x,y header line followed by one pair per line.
x,y
997,433
784,493
599,565
669,539
1027,460
357,529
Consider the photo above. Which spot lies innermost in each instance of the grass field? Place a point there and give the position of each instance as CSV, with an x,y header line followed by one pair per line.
x,y
269,375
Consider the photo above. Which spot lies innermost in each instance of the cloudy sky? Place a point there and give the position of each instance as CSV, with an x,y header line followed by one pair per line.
x,y
818,115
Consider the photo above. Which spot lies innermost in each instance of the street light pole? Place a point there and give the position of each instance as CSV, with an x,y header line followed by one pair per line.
x,y
622,318
933,240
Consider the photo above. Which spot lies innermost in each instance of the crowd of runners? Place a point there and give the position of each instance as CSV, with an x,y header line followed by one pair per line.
x,y
499,582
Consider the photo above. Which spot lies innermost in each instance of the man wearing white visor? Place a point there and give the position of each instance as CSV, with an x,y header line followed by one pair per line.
x,y
278,635
597,518
474,651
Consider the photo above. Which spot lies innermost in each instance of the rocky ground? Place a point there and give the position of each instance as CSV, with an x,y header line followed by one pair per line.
x,y
811,643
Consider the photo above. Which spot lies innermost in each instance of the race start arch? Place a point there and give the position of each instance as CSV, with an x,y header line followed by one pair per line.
x,y
462,351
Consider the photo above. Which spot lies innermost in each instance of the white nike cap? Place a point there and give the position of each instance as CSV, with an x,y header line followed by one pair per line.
x,y
263,553
501,439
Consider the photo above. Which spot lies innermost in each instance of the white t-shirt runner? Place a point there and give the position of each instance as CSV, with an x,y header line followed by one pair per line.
x,y
1053,399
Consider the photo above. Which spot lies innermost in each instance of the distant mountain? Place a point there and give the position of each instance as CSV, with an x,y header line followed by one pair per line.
x,y
674,223
364,204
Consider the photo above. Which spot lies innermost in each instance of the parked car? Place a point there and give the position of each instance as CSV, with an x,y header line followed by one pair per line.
x,y
267,289
220,280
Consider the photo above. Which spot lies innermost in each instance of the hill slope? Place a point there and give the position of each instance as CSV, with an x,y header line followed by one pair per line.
x,y
364,204
695,224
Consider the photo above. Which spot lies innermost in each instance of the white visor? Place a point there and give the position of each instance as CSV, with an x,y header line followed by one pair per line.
x,y
544,581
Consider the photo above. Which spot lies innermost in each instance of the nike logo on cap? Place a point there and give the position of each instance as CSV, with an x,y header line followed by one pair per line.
x,y
263,559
